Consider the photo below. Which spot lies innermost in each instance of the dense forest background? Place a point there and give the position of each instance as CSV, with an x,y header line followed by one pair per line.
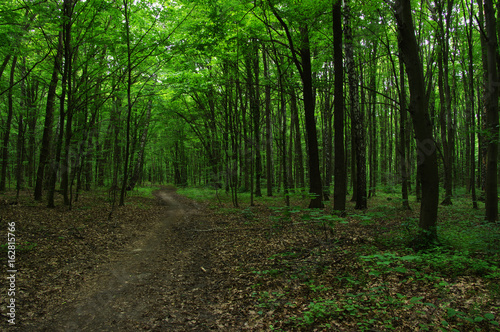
x,y
333,100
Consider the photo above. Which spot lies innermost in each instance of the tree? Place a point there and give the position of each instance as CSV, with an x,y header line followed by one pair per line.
x,y
304,68
6,135
422,125
357,118
339,199
492,86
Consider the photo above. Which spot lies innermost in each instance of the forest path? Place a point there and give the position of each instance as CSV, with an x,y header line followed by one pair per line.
x,y
160,282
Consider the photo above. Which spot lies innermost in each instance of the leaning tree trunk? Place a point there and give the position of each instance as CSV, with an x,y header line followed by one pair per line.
x,y
422,124
316,189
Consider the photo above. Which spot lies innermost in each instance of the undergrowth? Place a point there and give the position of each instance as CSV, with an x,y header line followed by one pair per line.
x,y
358,272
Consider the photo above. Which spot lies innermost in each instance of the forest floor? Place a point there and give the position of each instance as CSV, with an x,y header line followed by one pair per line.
x,y
164,262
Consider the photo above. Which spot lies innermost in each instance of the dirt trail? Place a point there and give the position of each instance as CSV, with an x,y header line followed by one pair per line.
x,y
158,283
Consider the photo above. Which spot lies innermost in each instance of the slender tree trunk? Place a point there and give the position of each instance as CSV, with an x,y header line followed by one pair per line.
x,y
4,64
357,117
49,119
361,199
253,89
316,189
471,112
299,162
6,135
402,138
269,135
484,107
129,104
304,67
373,125
142,146
339,196
32,117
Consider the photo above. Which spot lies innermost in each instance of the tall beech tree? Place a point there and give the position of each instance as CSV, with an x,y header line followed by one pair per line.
x,y
419,111
339,198
492,86
304,67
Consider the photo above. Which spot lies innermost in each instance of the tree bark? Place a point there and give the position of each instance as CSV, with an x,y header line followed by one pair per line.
x,y
418,109
316,189
269,134
402,138
491,203
339,196
304,67
8,123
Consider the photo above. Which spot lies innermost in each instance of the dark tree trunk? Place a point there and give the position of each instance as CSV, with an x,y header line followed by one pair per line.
x,y
444,100
361,199
471,114
357,119
129,105
491,188
4,64
309,106
269,135
299,157
402,138
418,109
142,145
253,90
373,125
47,129
339,197
304,67
8,123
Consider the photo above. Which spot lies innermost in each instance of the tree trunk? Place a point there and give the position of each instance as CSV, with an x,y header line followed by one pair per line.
x,y
339,196
269,135
418,109
129,104
142,145
304,67
471,114
4,64
491,203
299,156
402,138
309,105
6,135
357,117
49,119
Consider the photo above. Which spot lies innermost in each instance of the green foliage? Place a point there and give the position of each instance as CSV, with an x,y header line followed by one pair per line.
x,y
445,262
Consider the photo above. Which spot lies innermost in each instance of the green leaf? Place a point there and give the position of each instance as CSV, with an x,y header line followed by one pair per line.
x,y
400,269
416,299
489,316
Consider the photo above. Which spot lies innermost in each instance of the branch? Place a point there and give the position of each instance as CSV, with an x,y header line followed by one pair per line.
x,y
290,40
